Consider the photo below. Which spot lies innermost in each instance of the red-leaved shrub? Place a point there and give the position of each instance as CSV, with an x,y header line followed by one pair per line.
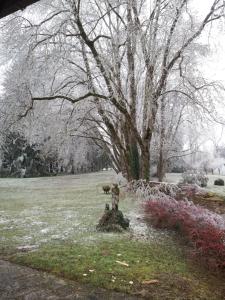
x,y
202,229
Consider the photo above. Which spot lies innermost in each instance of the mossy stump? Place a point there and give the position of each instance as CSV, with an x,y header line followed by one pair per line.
x,y
112,221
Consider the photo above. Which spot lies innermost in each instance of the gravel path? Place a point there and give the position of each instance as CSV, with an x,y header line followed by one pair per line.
x,y
23,283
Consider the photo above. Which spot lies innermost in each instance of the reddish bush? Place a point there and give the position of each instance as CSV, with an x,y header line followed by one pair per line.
x,y
201,228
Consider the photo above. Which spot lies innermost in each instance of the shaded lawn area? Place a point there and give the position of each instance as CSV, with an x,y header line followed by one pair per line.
x,y
57,217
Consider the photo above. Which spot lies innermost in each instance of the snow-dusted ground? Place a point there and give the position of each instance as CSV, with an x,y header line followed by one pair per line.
x,y
34,211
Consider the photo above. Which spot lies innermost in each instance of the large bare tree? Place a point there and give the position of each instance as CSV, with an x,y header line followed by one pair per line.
x,y
121,59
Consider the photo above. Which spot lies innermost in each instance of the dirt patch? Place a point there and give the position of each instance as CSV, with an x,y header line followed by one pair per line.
x,y
211,201
200,196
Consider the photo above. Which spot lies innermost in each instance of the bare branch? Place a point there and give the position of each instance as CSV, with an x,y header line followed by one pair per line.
x,y
72,100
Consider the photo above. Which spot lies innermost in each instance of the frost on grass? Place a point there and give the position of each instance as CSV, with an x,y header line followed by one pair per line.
x,y
141,231
36,211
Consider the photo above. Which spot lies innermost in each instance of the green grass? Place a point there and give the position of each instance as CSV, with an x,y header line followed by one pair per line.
x,y
73,261
58,215
97,265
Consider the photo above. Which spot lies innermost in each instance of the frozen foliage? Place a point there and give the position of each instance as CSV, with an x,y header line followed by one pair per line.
x,y
195,178
22,159
203,230
217,165
146,190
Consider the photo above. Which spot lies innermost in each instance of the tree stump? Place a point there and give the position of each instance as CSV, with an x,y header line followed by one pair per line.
x,y
112,221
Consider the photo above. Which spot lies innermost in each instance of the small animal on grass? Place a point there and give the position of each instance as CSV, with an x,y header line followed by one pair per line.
x,y
106,189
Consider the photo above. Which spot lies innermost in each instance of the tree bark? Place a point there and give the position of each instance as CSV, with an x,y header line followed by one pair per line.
x,y
161,167
145,160
134,160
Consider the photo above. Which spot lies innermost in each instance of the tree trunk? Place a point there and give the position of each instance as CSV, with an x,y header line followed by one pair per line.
x,y
134,161
145,161
161,168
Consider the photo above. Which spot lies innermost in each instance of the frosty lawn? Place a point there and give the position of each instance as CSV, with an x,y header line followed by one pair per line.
x,y
57,216
39,210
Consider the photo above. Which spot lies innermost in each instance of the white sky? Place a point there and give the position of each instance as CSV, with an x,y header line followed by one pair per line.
x,y
214,65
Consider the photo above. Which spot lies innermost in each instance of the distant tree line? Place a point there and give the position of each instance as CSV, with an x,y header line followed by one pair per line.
x,y
19,158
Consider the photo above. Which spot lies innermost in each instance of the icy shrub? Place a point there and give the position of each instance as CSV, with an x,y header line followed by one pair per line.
x,y
219,182
146,190
195,178
151,190
134,185
202,229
